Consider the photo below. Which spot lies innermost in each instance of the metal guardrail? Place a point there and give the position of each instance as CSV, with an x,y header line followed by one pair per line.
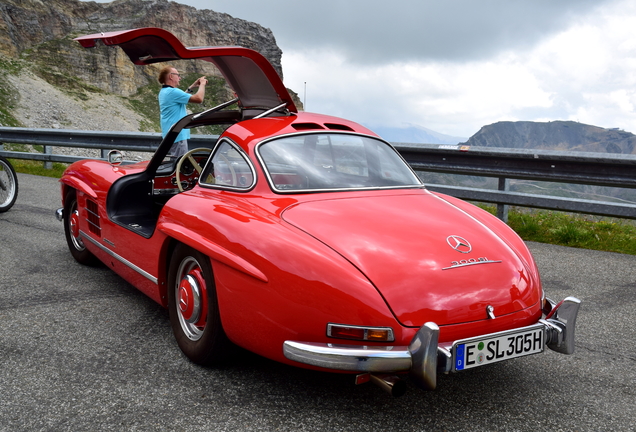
x,y
104,141
504,164
599,169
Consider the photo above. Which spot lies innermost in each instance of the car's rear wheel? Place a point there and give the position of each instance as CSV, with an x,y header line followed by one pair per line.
x,y
72,233
193,307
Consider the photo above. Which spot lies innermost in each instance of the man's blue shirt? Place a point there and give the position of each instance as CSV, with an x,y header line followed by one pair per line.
x,y
172,103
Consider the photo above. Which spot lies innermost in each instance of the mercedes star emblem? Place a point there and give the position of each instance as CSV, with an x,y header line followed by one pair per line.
x,y
458,243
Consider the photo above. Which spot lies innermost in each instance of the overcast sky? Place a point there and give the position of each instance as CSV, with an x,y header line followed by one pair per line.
x,y
454,66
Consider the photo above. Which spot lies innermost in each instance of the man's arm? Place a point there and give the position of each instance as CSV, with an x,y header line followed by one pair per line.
x,y
200,94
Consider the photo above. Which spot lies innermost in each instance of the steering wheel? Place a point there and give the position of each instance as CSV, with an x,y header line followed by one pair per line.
x,y
195,164
229,165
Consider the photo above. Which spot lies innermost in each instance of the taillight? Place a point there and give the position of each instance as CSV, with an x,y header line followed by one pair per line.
x,y
361,333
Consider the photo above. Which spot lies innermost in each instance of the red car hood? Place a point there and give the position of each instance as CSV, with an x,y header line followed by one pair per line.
x,y
403,244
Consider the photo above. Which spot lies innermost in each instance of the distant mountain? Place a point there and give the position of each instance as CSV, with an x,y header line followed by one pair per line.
x,y
554,135
414,134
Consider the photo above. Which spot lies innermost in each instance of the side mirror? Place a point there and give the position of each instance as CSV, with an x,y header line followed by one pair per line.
x,y
115,157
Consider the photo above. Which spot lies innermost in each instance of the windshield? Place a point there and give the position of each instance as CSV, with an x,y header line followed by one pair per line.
x,y
333,161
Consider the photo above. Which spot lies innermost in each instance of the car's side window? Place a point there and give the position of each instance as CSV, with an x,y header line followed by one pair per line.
x,y
228,167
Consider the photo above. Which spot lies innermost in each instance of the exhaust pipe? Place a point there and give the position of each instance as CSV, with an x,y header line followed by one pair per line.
x,y
391,384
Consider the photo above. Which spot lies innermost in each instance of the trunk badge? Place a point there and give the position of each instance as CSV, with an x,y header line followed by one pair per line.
x,y
458,243
491,311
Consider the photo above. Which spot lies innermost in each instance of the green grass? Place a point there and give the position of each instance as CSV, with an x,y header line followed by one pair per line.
x,y
574,230
8,93
145,103
27,166
37,168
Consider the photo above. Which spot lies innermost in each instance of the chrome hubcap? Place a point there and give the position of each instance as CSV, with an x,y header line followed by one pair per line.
x,y
190,299
73,225
190,292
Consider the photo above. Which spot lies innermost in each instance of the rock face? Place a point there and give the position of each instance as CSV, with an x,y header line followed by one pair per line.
x,y
555,135
42,31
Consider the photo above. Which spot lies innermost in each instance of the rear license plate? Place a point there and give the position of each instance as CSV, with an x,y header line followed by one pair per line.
x,y
496,347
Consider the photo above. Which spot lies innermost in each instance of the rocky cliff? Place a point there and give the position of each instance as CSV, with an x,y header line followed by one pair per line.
x,y
44,63
555,135
42,31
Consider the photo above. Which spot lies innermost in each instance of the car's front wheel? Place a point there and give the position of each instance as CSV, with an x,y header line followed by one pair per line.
x,y
193,307
72,232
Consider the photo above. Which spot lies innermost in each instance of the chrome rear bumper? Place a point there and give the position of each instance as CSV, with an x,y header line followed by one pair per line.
x,y
424,357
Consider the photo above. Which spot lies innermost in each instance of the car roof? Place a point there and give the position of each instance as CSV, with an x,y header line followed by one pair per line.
x,y
251,76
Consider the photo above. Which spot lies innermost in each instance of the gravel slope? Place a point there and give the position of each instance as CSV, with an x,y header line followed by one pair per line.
x,y
40,105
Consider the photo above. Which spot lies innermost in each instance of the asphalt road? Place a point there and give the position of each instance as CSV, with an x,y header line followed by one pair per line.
x,y
80,349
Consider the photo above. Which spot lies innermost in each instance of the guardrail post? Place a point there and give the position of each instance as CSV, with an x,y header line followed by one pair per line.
x,y
48,150
502,209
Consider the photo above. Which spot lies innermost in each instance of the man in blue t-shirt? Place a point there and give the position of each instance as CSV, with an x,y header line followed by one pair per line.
x,y
172,104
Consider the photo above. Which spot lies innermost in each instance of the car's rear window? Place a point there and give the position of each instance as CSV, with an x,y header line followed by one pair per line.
x,y
333,161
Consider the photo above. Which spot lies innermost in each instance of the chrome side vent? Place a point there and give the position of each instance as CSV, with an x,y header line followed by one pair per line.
x,y
92,214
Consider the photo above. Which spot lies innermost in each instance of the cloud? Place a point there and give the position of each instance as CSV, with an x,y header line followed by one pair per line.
x,y
583,72
377,31
453,99
589,68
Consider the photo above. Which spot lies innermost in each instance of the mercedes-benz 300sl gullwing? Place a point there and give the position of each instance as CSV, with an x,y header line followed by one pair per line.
x,y
306,239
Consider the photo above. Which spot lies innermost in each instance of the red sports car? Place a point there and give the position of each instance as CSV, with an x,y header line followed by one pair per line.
x,y
306,239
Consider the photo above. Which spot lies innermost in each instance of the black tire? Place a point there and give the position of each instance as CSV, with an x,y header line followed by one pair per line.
x,y
8,185
196,326
74,241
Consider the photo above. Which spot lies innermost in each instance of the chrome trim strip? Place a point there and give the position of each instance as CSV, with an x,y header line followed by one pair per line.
x,y
94,225
92,212
216,108
271,110
297,191
470,264
122,260
349,357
